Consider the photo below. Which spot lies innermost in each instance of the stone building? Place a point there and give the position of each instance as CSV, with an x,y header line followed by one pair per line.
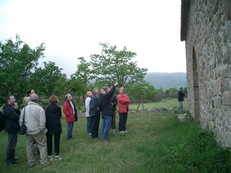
x,y
206,30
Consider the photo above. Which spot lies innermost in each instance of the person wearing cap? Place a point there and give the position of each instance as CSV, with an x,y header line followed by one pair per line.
x,y
106,109
70,111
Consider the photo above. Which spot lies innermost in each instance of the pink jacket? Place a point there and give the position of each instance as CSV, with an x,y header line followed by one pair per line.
x,y
123,102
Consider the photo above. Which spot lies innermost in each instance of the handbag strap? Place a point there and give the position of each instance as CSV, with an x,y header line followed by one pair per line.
x,y
24,112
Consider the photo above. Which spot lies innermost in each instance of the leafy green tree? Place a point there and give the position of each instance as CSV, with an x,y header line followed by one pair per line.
x,y
48,80
113,65
80,81
141,91
17,60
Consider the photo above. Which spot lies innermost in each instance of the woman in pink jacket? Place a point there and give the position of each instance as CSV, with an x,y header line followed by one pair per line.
x,y
123,102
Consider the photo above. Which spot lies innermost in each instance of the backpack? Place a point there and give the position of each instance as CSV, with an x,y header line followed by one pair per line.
x,y
2,122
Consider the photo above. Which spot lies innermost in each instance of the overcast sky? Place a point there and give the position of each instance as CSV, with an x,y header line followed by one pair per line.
x,y
74,28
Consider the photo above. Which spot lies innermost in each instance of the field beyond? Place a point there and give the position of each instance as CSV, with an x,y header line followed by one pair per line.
x,y
156,142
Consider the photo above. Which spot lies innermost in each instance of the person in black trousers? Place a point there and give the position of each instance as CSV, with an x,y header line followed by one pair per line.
x,y
95,113
11,114
53,125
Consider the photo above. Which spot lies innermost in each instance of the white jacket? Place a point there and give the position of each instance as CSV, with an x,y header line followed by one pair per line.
x,y
87,106
35,119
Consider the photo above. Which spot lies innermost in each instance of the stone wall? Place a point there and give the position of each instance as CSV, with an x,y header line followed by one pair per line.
x,y
208,57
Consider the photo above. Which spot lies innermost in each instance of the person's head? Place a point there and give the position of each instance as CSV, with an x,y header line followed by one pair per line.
x,y
68,96
102,91
53,99
26,100
10,99
34,98
30,92
107,88
95,91
121,90
89,94
181,88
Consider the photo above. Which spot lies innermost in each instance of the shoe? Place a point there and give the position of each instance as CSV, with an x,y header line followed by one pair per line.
x,y
121,132
12,163
31,165
50,158
45,164
58,158
70,138
125,131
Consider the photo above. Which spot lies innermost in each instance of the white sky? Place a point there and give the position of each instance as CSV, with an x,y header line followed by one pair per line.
x,y
73,28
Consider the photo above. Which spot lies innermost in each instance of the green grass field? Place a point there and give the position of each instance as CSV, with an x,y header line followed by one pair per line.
x,y
156,143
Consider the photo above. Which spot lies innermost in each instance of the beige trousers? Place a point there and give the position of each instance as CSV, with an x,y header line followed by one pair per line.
x,y
41,144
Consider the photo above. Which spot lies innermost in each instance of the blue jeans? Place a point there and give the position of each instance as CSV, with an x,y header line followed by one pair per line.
x,y
69,129
106,126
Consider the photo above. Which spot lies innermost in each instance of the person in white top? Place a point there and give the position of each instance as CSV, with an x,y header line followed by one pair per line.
x,y
87,108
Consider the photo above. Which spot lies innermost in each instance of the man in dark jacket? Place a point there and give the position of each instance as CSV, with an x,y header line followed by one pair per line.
x,y
11,115
180,99
106,109
94,113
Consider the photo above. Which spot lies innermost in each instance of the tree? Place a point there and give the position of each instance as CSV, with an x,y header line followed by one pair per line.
x,y
17,60
80,80
140,91
49,80
113,65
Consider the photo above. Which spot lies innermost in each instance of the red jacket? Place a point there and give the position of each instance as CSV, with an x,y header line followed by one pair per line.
x,y
67,110
123,102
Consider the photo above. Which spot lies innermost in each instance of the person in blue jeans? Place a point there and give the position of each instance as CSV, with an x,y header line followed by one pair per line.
x,y
106,109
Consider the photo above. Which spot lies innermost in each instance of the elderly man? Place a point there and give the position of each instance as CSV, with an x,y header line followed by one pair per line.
x,y
35,121
106,109
11,115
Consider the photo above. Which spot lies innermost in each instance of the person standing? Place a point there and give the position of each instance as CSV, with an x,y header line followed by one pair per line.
x,y
113,104
35,122
106,109
70,111
123,102
87,108
95,113
11,114
35,148
180,99
53,125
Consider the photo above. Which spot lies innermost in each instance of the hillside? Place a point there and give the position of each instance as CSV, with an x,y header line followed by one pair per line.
x,y
166,80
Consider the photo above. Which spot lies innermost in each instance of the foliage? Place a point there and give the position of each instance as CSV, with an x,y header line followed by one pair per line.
x,y
48,80
17,60
140,91
113,65
156,142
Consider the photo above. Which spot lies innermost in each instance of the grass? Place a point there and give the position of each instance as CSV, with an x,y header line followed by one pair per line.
x,y
156,142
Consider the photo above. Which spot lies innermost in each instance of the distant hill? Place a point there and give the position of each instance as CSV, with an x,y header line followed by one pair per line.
x,y
166,80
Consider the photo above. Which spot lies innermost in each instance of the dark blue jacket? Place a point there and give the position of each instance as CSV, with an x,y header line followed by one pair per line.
x,y
105,103
11,117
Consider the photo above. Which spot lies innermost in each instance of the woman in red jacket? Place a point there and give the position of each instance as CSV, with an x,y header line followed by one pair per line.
x,y
69,109
123,102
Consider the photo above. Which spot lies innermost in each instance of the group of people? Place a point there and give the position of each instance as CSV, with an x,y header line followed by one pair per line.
x,y
45,124
104,102
41,126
